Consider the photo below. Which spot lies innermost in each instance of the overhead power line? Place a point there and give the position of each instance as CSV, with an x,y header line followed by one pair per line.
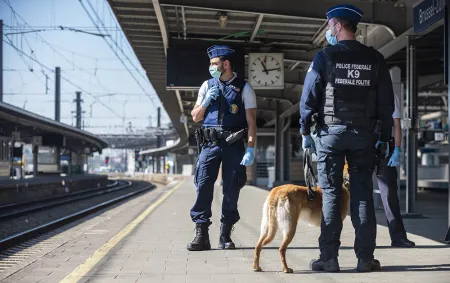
x,y
62,77
118,47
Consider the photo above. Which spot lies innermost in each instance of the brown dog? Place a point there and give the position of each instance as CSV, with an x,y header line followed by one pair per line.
x,y
284,206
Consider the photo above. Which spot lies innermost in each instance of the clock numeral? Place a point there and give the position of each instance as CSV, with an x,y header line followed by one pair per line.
x,y
265,83
278,77
272,82
254,77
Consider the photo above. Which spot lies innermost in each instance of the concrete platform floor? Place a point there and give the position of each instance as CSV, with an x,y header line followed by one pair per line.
x,y
141,242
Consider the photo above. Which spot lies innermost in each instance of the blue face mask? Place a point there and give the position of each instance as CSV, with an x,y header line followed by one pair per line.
x,y
214,71
332,39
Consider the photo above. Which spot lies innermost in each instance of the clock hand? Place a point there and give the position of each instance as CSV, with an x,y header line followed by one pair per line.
x,y
265,69
274,69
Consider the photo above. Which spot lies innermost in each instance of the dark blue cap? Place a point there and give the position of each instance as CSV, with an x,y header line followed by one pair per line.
x,y
345,11
219,50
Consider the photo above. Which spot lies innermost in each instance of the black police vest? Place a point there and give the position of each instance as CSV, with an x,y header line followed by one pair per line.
x,y
351,90
228,110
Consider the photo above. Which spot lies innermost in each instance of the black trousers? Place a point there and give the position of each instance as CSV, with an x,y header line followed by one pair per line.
x,y
387,184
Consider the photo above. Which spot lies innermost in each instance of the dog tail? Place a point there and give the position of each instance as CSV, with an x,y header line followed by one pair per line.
x,y
271,225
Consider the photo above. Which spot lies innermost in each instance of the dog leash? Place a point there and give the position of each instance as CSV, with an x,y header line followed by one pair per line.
x,y
310,176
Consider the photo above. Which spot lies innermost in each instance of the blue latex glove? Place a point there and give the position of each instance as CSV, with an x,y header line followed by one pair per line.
x,y
212,93
308,142
395,158
387,148
249,157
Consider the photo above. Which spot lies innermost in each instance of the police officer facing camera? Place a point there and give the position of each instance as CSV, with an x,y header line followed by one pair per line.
x,y
349,86
227,106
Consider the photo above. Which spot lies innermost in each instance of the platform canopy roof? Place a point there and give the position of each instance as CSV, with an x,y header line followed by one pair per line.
x,y
29,125
296,28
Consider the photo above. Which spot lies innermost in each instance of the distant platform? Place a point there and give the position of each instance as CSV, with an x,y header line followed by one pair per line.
x,y
40,180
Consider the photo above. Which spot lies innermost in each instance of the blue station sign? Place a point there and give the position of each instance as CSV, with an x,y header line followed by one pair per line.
x,y
427,13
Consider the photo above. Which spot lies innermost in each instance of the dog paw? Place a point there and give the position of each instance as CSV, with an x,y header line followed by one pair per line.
x,y
288,270
257,269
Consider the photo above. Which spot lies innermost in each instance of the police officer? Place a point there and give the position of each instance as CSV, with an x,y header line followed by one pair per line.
x,y
227,105
387,184
348,85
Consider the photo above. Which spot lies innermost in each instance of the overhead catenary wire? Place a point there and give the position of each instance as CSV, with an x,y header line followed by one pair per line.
x,y
115,52
62,77
17,15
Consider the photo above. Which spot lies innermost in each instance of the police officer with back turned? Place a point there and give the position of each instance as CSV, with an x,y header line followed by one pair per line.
x,y
227,106
348,85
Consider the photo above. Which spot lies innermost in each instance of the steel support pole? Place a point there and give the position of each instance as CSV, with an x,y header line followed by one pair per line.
x,y
1,60
447,53
58,112
412,100
278,140
35,160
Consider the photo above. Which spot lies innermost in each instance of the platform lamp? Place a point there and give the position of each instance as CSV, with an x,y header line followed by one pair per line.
x,y
223,18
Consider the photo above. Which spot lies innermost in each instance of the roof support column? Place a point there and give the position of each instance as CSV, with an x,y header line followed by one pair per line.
x,y
411,136
35,160
447,53
278,140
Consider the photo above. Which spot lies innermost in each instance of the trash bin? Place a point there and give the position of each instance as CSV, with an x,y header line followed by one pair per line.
x,y
271,173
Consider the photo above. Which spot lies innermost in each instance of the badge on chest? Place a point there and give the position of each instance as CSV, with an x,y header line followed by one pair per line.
x,y
234,109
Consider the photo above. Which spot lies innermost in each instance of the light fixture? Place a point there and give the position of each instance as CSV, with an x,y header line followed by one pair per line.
x,y
223,18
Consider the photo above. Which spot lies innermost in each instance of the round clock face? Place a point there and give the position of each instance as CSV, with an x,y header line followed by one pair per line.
x,y
265,70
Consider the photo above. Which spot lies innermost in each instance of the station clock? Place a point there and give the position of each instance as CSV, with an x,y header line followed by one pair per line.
x,y
266,70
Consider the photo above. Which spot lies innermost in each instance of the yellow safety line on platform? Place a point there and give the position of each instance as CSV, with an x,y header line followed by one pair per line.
x,y
84,268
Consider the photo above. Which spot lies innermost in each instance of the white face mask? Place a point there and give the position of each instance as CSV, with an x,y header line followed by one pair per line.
x,y
214,71
332,39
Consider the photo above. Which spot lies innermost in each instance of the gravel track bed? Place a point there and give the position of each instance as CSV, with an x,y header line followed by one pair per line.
x,y
9,227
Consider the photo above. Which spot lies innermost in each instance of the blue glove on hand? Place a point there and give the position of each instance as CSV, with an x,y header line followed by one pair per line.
x,y
395,158
212,93
249,157
308,142
387,148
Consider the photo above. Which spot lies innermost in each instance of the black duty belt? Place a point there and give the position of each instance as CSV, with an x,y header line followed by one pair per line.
x,y
310,176
215,134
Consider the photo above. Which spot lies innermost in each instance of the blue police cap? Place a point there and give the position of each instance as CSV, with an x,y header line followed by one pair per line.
x,y
219,50
345,11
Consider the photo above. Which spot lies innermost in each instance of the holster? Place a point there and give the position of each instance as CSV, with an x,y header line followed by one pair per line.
x,y
234,137
200,139
381,156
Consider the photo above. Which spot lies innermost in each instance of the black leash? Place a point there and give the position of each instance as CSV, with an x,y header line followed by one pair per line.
x,y
310,176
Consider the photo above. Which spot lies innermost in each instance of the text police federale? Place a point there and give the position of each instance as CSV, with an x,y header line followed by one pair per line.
x,y
353,74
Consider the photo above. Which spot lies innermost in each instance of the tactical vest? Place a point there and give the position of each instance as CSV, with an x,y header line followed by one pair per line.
x,y
351,89
227,111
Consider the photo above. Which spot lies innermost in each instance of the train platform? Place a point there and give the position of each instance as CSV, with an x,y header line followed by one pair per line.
x,y
144,240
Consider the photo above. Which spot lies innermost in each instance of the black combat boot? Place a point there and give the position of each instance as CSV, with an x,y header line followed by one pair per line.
x,y
331,265
201,240
365,265
225,241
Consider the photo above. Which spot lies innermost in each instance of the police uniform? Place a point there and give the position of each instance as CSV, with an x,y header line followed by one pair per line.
x,y
348,85
387,184
224,116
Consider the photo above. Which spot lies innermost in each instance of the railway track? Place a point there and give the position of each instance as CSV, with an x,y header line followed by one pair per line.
x,y
120,189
